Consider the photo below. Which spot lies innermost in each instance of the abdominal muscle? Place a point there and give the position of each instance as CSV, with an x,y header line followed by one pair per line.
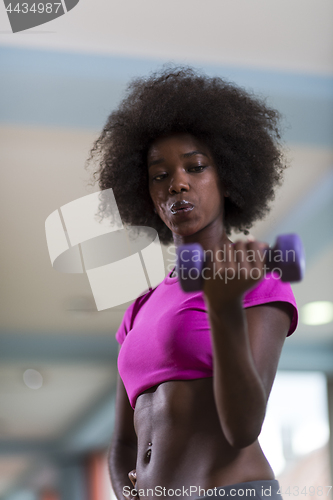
x,y
181,443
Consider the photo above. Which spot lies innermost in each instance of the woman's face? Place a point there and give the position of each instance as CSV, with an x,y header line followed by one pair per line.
x,y
181,167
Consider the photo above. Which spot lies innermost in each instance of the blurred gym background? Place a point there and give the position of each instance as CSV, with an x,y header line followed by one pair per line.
x,y
59,82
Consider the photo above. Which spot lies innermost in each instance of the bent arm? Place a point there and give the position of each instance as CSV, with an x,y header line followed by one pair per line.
x,y
246,348
123,449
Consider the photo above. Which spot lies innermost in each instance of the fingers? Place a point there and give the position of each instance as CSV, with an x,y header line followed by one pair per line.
x,y
251,256
244,259
234,269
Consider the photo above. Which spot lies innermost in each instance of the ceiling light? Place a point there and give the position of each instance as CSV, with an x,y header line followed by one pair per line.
x,y
32,379
317,313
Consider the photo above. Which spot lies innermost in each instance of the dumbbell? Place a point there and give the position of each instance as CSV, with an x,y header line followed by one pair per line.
x,y
286,257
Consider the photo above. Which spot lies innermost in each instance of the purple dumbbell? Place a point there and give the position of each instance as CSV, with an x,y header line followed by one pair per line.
x,y
287,257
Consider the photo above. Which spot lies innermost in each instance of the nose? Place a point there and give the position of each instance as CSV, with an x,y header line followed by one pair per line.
x,y
179,182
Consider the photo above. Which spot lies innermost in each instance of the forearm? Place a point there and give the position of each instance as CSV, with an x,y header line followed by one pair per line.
x,y
122,459
239,393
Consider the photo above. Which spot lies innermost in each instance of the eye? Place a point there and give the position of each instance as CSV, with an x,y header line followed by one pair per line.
x,y
202,167
196,168
157,177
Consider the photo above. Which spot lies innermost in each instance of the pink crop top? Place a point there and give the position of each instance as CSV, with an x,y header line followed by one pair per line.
x,y
165,334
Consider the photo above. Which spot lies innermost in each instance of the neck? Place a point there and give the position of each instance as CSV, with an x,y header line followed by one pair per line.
x,y
208,238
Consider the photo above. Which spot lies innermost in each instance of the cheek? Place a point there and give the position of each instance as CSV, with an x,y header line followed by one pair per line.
x,y
216,199
155,195
152,194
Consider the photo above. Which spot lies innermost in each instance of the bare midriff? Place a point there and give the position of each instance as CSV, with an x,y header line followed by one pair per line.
x,y
181,442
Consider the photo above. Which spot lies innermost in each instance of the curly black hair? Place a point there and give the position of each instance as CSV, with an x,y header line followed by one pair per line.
x,y
240,130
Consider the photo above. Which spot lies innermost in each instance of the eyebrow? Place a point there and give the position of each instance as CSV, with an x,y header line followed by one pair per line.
x,y
185,155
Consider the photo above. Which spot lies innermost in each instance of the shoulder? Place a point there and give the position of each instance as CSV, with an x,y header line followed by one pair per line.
x,y
127,322
272,289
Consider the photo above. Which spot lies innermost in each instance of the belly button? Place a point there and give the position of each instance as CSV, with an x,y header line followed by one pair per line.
x,y
148,452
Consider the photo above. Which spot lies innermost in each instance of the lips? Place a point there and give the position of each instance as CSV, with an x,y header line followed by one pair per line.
x,y
181,205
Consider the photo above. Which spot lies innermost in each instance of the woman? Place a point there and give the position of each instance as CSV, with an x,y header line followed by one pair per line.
x,y
196,369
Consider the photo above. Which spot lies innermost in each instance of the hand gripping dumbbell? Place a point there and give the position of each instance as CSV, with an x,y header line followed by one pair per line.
x,y
287,257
